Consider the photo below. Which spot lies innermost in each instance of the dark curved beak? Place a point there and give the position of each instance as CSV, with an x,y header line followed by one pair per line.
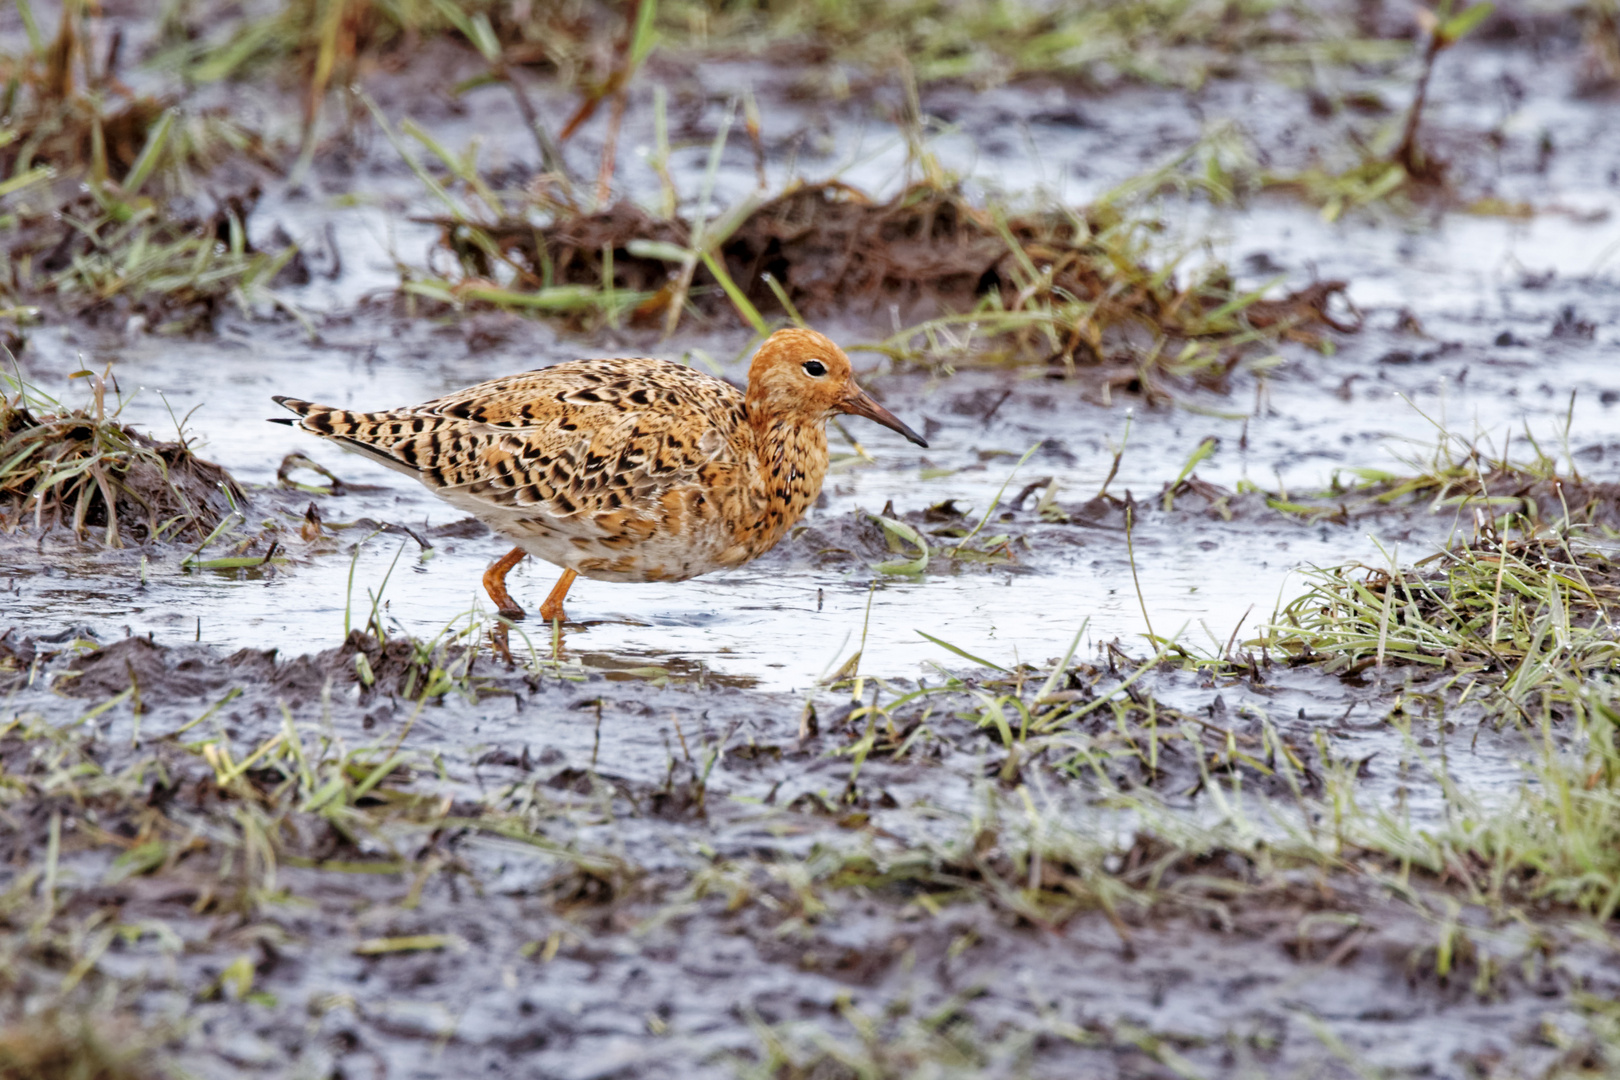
x,y
859,403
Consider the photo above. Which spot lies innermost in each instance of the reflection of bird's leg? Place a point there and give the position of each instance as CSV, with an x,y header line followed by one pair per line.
x,y
552,609
498,639
495,583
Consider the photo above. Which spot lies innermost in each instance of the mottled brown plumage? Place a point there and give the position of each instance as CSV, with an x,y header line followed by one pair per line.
x,y
624,470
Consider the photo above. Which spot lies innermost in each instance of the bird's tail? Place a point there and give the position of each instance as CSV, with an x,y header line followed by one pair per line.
x,y
325,420
377,435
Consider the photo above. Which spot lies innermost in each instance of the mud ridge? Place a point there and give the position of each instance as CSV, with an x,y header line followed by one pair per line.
x,y
927,250
85,471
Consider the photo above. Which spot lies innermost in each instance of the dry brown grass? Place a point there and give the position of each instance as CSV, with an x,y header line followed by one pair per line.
x,y
84,469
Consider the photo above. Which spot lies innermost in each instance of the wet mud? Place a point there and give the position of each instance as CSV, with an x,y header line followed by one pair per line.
x,y
77,470
649,912
832,248
280,802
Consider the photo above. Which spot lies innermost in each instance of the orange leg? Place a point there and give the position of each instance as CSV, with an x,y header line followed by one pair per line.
x,y
495,584
552,609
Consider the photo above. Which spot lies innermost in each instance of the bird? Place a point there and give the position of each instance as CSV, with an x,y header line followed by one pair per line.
x,y
635,469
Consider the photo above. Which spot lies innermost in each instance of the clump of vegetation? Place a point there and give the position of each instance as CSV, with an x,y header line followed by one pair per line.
x,y
76,1047
1518,604
1511,624
1523,631
1527,610
99,192
983,42
84,469
1467,478
1600,56
132,260
65,108
1052,285
1068,277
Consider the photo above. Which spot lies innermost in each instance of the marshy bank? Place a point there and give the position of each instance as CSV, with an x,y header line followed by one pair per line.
x,y
1228,690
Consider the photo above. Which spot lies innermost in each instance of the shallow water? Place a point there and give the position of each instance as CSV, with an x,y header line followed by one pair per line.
x,y
1469,280
1383,396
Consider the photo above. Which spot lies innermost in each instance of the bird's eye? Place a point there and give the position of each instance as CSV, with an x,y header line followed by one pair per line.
x,y
815,368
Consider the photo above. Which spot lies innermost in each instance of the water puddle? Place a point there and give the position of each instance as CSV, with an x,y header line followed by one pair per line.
x,y
785,625
1481,354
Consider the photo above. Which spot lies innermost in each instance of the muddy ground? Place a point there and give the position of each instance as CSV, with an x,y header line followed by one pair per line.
x,y
765,823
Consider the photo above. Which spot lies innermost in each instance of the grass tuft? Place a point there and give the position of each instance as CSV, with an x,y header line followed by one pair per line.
x,y
980,42
1519,605
1052,286
99,190
1490,604
82,468
57,1045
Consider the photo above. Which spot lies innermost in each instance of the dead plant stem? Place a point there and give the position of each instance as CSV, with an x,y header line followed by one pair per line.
x,y
1130,554
604,175
550,154
1407,154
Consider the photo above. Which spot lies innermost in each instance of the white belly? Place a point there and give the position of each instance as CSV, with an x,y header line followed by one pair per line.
x,y
575,543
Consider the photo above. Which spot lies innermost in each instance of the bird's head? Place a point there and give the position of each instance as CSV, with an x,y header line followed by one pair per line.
x,y
801,375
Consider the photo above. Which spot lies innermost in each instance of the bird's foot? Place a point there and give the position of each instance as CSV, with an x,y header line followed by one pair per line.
x,y
552,609
495,585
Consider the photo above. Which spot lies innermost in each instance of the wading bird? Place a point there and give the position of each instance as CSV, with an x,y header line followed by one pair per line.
x,y
623,470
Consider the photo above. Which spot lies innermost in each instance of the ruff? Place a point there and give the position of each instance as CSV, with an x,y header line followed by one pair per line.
x,y
623,470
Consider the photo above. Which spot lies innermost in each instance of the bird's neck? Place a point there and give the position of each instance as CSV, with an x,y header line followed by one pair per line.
x,y
792,456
